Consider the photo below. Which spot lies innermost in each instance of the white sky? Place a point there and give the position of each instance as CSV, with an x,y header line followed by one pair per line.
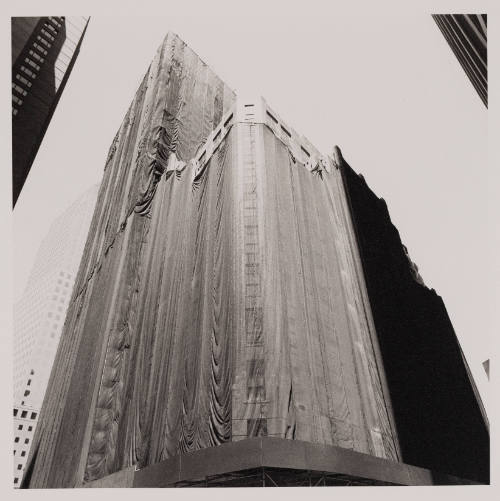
x,y
384,87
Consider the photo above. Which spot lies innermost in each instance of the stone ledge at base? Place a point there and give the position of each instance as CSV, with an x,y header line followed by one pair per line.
x,y
234,463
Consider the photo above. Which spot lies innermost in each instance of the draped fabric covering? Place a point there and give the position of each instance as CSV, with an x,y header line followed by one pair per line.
x,y
212,308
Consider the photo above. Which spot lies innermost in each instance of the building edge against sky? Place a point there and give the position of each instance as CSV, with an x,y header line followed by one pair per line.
x,y
44,51
172,167
39,317
467,37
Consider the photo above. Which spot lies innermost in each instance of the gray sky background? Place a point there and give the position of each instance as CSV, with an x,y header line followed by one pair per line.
x,y
384,87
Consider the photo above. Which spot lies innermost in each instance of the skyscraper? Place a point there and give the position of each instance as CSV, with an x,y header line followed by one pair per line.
x,y
228,324
44,50
39,317
467,37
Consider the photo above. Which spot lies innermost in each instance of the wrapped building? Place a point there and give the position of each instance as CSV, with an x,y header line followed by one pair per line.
x,y
222,328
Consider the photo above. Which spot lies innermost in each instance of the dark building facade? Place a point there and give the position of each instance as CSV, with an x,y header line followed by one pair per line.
x,y
226,328
44,50
467,37
434,399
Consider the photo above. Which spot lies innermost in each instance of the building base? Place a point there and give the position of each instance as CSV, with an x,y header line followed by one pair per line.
x,y
275,462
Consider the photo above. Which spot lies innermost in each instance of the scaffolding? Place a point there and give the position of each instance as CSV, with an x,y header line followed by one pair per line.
x,y
280,477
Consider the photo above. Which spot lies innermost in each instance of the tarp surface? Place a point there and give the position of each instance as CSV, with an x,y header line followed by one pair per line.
x,y
213,308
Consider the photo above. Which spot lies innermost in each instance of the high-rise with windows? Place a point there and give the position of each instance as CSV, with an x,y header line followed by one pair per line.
x,y
44,50
39,317
246,314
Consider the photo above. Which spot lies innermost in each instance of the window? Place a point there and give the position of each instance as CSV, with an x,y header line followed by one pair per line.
x,y
27,441
40,48
285,131
256,427
23,453
47,44
256,391
20,427
16,440
36,56
48,35
30,428
17,100
33,415
226,123
19,89
24,414
53,20
19,466
28,72
29,382
26,393
15,412
273,118
16,480
23,80
31,63
51,28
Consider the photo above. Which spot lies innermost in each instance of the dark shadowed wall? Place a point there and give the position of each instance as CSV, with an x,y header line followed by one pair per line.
x,y
439,417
